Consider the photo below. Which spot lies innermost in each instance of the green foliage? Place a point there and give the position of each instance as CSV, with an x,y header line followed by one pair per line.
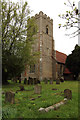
x,y
18,31
8,112
73,61
71,18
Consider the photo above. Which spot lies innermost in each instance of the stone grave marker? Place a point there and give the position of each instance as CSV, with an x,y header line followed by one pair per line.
x,y
46,81
25,81
10,97
37,89
58,81
62,79
68,94
30,81
35,81
51,81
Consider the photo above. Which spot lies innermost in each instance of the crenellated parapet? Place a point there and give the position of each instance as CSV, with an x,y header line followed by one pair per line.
x,y
41,14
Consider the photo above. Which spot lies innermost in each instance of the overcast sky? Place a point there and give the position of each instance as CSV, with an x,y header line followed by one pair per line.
x,y
53,8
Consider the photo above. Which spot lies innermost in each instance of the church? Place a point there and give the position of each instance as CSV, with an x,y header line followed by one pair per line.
x,y
44,43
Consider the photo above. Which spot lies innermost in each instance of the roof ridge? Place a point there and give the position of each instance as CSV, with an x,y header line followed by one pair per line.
x,y
61,52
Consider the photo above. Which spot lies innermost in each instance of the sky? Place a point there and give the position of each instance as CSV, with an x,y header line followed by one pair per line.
x,y
53,8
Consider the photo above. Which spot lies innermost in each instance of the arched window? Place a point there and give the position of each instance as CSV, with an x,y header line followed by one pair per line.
x,y
47,29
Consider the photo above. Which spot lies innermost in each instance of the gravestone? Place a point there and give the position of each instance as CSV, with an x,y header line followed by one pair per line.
x,y
46,80
35,81
68,94
30,81
37,89
25,81
58,81
62,79
10,97
19,79
51,81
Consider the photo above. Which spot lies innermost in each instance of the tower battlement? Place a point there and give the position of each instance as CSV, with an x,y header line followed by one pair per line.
x,y
41,14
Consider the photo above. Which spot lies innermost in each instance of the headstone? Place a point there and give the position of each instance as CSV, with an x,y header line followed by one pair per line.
x,y
62,79
19,79
37,89
35,81
30,81
51,81
46,81
58,81
68,94
21,87
25,81
10,97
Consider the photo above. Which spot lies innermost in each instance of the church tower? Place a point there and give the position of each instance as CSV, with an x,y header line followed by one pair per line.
x,y
45,44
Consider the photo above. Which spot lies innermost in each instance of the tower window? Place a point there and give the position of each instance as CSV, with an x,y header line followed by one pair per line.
x,y
32,68
47,29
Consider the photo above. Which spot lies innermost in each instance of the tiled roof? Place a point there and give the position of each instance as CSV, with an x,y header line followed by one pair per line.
x,y
66,71
61,57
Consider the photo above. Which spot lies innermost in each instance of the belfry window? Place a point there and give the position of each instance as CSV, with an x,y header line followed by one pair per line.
x,y
47,29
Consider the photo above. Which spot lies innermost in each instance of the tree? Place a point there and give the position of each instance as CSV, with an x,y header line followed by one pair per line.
x,y
73,61
17,39
71,18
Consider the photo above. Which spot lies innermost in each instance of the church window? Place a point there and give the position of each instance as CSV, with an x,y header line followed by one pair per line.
x,y
32,68
47,29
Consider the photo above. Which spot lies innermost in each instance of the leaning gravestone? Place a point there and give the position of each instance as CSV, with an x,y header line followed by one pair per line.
x,y
46,81
37,89
58,81
10,97
68,94
51,81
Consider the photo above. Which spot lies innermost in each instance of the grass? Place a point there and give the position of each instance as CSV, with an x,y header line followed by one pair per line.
x,y
24,107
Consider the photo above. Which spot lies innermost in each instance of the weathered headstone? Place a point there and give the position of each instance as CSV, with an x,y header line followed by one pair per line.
x,y
62,79
25,81
35,81
68,94
37,89
30,81
46,81
51,81
58,81
10,97
19,79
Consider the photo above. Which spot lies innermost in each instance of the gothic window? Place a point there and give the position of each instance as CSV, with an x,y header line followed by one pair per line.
x,y
47,29
32,68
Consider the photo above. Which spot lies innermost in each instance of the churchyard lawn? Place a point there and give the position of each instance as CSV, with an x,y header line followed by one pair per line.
x,y
27,103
